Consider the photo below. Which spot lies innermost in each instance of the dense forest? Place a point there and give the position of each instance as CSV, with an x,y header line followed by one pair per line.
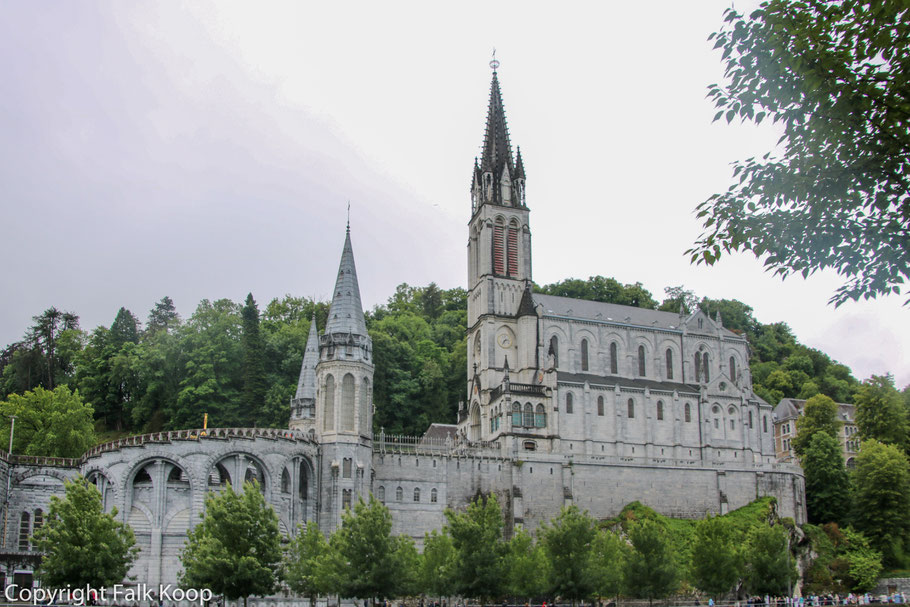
x,y
240,364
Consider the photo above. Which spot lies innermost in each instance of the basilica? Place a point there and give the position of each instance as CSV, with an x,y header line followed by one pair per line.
x,y
567,402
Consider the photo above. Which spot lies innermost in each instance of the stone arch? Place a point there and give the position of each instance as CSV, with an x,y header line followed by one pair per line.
x,y
475,426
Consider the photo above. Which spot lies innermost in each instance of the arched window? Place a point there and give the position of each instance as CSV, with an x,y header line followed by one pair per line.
x,y
541,417
764,423
347,403
512,248
416,494
346,499
732,368
641,361
584,355
569,402
499,266
614,362
302,488
660,410
346,464
704,365
329,412
399,494
24,531
380,494
285,481
669,363
366,407
688,412
750,420
697,367
434,495
516,414
631,408
39,520
600,406
554,350
529,416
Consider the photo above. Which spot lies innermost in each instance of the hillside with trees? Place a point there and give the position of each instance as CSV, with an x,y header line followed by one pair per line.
x,y
239,362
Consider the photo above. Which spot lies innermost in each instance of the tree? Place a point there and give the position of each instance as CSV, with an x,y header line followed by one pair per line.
x,y
124,329
436,567
828,492
83,546
882,499
370,561
716,559
567,543
526,567
306,554
881,414
651,568
236,549
769,568
864,563
599,288
54,423
679,298
608,557
819,415
163,317
477,539
44,335
254,386
834,76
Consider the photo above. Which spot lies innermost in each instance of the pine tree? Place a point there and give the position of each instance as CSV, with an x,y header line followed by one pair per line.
x,y
254,383
163,316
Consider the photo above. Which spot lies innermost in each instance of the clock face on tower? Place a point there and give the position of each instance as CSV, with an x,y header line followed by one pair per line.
x,y
505,341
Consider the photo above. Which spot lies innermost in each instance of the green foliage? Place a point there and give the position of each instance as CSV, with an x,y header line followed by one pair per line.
x,y
254,381
420,357
369,561
567,543
608,558
52,423
527,568
236,548
163,317
82,544
882,499
303,562
438,563
828,490
881,413
768,566
844,561
45,357
832,75
479,549
651,571
716,560
819,415
598,288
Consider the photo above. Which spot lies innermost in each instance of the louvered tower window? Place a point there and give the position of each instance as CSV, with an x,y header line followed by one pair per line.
x,y
512,250
498,245
669,363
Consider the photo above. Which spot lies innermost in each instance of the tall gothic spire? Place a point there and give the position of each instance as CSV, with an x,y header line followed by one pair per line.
x,y
306,385
346,312
497,150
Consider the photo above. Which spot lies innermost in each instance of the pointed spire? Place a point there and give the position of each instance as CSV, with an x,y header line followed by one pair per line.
x,y
346,312
519,165
306,385
497,150
526,305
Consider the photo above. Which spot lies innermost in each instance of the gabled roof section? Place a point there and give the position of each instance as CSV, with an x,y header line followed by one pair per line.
x,y
497,150
306,385
346,312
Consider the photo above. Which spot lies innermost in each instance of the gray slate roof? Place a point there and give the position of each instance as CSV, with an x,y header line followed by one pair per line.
x,y
440,432
555,305
791,408
346,312
625,382
306,385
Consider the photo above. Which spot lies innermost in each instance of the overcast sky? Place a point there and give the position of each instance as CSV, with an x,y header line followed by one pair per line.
x,y
205,150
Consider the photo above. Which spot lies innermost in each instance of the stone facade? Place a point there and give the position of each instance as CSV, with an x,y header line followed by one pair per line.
x,y
568,402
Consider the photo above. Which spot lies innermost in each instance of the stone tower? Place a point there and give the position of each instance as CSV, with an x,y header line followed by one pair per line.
x,y
343,420
502,322
303,405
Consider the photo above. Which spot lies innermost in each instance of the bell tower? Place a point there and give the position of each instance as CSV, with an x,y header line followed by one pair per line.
x,y
502,322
